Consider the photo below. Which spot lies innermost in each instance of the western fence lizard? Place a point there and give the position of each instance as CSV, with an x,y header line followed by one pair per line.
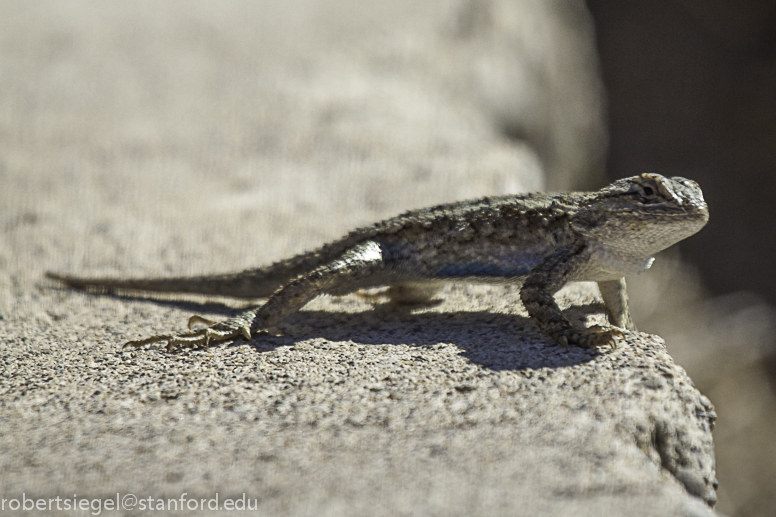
x,y
540,240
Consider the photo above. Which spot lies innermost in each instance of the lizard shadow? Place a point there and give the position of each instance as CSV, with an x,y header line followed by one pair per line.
x,y
493,340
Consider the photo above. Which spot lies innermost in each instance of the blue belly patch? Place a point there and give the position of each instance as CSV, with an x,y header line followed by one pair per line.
x,y
481,269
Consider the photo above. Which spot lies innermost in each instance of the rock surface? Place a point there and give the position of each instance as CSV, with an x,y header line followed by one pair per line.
x,y
148,140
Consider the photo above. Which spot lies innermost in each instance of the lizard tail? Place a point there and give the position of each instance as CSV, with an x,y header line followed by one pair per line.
x,y
251,283
246,284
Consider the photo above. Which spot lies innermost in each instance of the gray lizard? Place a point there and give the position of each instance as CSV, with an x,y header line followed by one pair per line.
x,y
541,241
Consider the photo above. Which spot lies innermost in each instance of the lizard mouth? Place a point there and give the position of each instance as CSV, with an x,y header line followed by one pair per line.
x,y
697,212
686,210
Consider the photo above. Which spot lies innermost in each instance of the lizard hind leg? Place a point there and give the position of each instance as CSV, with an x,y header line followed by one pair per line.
x,y
349,270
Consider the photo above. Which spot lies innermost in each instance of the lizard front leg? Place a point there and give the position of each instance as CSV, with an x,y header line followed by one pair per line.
x,y
352,267
543,282
616,300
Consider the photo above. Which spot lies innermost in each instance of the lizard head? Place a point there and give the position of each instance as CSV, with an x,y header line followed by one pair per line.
x,y
643,214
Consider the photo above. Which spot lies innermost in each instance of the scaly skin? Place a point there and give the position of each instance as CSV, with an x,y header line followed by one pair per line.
x,y
541,241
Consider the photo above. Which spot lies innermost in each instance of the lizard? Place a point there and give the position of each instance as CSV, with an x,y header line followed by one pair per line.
x,y
540,241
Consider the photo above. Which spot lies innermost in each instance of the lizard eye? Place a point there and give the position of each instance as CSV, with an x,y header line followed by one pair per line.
x,y
647,193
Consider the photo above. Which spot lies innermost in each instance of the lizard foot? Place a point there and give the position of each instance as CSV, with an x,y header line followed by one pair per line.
x,y
593,337
199,338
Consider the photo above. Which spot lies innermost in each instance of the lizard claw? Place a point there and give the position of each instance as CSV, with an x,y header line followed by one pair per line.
x,y
593,337
599,336
246,332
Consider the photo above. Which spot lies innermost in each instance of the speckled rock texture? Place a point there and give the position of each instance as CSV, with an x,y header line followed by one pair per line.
x,y
180,138
461,408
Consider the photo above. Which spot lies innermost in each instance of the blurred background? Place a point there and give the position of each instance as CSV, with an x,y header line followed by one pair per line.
x,y
691,91
117,118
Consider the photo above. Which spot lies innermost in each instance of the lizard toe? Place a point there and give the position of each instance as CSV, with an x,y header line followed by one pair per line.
x,y
598,336
147,341
197,321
